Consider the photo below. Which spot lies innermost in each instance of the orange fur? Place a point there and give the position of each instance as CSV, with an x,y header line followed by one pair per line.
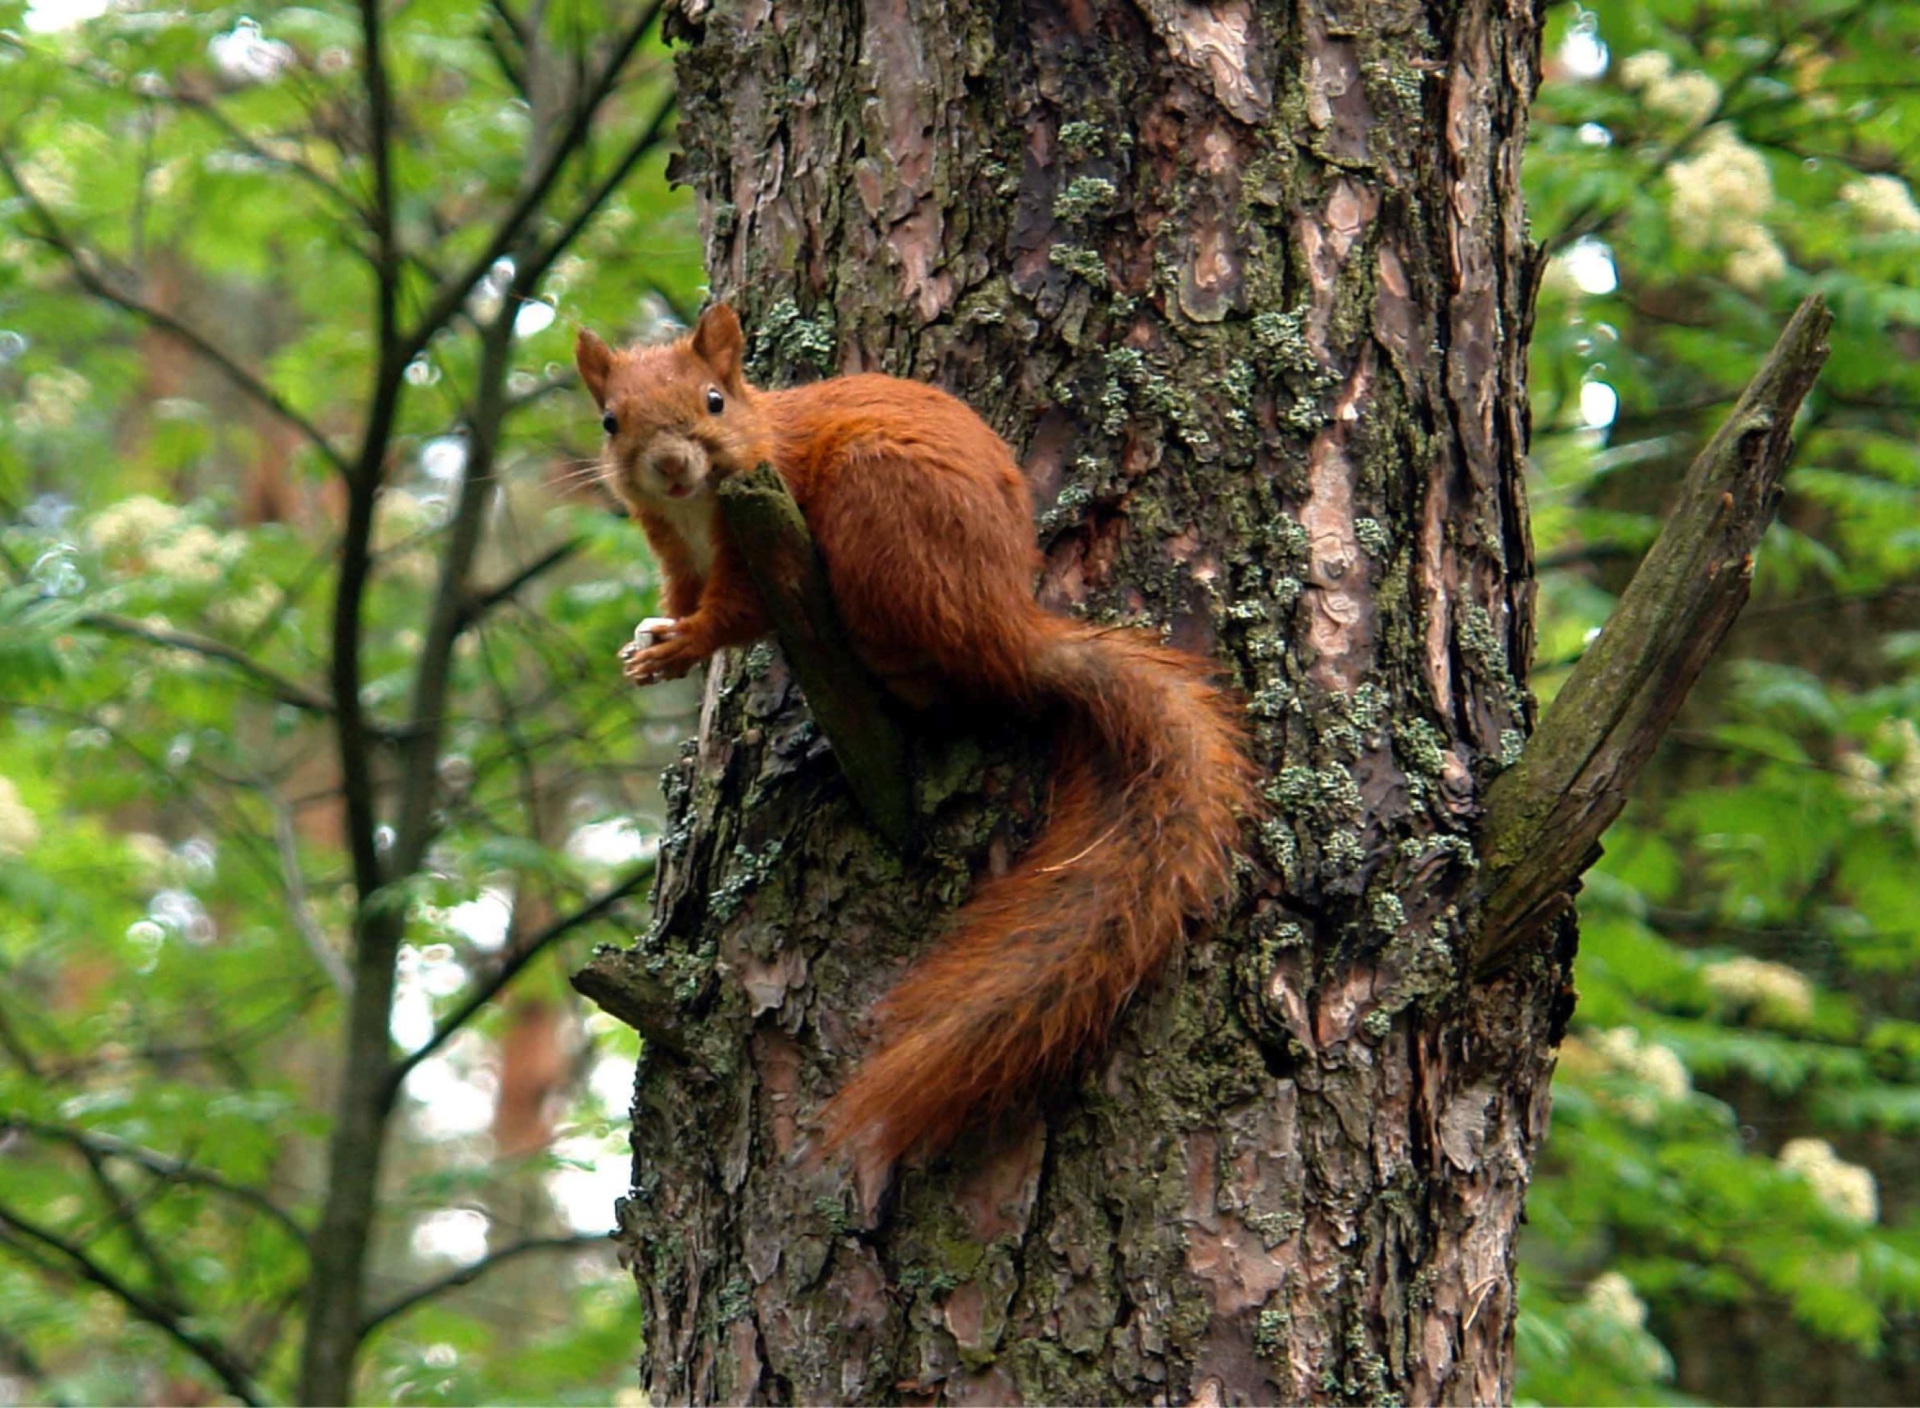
x,y
924,522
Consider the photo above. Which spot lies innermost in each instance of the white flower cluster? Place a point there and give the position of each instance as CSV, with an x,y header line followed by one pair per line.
x,y
1642,70
244,611
129,525
1613,1306
49,173
1889,793
1716,200
1883,204
1611,1297
1773,991
1689,95
18,829
196,555
1756,260
159,535
150,854
1845,1190
1660,1073
49,399
1724,180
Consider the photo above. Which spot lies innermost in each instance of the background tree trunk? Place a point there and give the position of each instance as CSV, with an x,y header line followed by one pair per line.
x,y
1248,291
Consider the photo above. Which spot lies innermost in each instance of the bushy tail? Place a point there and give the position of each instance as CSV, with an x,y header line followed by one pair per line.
x,y
1148,790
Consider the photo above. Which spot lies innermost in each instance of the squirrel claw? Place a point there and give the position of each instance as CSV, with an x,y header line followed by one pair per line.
x,y
659,659
648,634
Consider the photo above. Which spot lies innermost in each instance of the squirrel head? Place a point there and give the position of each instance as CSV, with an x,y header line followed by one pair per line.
x,y
678,417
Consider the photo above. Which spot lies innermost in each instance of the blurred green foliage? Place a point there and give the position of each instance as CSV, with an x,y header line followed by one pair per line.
x,y
174,898
1724,1210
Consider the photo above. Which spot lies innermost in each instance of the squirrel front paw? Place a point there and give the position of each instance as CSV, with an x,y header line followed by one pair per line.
x,y
661,649
654,628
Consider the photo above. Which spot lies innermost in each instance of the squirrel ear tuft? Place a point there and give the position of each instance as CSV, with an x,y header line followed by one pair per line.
x,y
718,341
595,362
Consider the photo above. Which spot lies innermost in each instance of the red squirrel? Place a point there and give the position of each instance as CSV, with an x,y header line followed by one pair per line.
x,y
925,525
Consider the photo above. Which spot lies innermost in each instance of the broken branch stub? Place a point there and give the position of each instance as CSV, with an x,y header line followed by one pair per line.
x,y
1544,815
848,703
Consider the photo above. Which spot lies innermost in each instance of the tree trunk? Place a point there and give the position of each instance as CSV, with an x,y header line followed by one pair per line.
x,y
1248,291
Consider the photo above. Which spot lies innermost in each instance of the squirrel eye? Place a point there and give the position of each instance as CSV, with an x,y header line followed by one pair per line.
x,y
610,422
715,402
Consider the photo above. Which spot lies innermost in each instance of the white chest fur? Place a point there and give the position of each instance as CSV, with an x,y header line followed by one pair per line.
x,y
692,520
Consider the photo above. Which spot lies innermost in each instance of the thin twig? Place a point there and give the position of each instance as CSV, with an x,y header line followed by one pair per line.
x,y
510,68
648,138
124,1215
16,1230
481,602
475,1271
485,989
524,766
233,133
447,301
279,686
434,676
329,959
81,262
163,1166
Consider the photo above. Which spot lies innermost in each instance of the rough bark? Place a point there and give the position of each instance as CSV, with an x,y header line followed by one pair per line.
x,y
1247,290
